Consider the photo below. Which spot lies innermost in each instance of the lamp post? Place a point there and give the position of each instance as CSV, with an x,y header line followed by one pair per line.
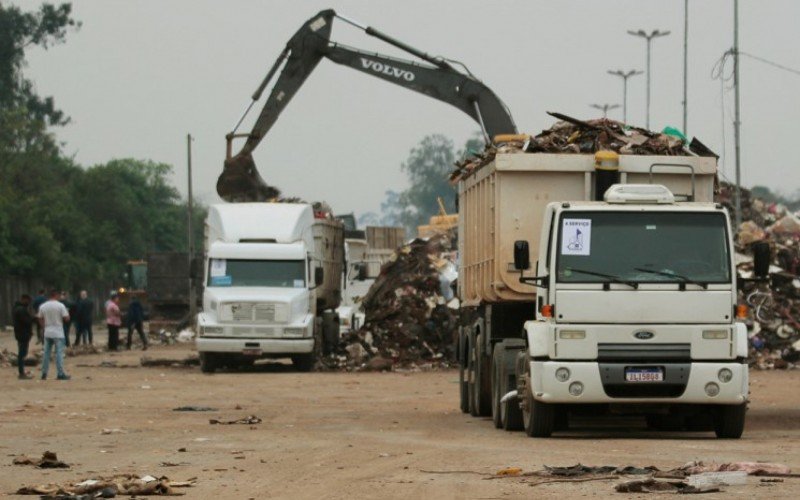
x,y
649,38
604,108
737,119
685,66
624,75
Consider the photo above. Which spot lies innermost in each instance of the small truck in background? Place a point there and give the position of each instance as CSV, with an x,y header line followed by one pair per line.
x,y
272,284
599,284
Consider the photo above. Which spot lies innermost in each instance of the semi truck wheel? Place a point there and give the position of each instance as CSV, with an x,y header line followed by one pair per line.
x,y
498,378
207,362
471,374
538,417
510,413
729,421
483,379
463,384
304,362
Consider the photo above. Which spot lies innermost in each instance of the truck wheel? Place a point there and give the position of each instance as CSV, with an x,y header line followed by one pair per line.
x,y
463,385
729,421
498,377
538,417
304,362
471,374
483,379
207,362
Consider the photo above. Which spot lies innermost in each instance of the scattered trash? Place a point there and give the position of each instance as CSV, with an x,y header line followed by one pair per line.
x,y
113,431
751,468
509,471
727,478
652,485
166,362
194,408
249,420
108,487
49,460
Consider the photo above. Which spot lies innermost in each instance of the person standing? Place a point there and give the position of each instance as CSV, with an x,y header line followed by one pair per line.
x,y
52,316
83,319
136,321
23,331
38,301
113,321
70,305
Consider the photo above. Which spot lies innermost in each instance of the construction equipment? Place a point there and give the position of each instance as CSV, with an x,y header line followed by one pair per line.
x,y
440,79
443,223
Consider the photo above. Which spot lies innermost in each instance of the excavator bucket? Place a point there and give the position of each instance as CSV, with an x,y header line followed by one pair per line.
x,y
241,182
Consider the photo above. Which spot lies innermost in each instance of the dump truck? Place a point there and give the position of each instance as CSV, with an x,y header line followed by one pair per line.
x,y
599,283
272,284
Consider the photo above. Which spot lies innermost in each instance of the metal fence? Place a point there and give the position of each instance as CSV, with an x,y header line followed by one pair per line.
x,y
12,287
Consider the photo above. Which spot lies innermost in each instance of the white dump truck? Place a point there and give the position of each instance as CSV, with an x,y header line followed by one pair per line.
x,y
272,283
599,283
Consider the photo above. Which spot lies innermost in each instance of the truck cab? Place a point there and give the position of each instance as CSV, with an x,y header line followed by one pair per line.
x,y
272,276
636,305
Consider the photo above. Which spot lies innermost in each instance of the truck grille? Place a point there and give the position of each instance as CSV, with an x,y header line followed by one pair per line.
x,y
264,312
254,312
242,312
644,352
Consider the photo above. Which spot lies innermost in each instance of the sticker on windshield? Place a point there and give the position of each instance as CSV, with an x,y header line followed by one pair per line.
x,y
299,284
221,280
576,237
218,267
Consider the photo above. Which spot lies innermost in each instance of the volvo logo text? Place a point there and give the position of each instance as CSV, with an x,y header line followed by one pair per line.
x,y
385,69
644,335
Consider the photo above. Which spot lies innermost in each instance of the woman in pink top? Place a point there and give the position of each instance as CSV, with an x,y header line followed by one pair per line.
x,y
113,321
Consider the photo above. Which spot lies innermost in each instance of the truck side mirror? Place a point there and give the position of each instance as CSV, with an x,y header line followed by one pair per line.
x,y
522,255
319,276
362,271
761,259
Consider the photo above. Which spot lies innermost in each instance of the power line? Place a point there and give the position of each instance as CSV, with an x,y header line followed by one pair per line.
x,y
771,63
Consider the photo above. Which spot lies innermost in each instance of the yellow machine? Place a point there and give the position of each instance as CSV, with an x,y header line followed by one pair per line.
x,y
439,224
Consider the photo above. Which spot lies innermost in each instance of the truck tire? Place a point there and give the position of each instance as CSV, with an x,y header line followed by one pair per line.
x,y
471,373
510,412
498,379
463,384
304,362
729,421
207,362
537,417
483,379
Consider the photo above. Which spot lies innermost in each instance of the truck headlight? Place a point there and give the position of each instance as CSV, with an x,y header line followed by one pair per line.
x,y
294,332
576,388
562,374
725,375
715,334
572,334
712,389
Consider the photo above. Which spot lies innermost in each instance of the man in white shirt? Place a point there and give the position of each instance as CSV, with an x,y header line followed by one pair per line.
x,y
52,316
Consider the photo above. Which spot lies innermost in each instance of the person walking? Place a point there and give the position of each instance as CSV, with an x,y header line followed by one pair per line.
x,y
23,331
113,321
52,316
136,321
84,309
38,301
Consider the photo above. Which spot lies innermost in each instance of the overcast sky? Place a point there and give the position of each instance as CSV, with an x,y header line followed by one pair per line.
x,y
140,75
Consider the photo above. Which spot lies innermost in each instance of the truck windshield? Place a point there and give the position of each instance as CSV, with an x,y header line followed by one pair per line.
x,y
643,247
271,273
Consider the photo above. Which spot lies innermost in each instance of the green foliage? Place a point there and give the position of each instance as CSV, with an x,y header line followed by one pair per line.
x,y
427,167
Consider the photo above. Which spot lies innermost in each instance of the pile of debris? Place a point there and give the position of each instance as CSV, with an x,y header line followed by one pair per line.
x,y
109,487
570,135
410,312
774,307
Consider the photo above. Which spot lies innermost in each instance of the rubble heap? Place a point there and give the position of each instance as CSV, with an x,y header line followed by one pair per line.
x,y
774,308
408,321
570,135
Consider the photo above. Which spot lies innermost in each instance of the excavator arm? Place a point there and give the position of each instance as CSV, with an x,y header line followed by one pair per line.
x,y
438,79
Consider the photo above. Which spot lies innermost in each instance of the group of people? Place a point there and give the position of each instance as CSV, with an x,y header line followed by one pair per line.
x,y
53,317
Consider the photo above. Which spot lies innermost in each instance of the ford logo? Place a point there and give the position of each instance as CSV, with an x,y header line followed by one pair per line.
x,y
644,335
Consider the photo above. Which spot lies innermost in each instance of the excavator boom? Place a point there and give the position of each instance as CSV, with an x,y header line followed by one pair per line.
x,y
439,79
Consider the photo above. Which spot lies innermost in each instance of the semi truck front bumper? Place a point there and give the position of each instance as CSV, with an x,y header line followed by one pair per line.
x,y
593,382
266,346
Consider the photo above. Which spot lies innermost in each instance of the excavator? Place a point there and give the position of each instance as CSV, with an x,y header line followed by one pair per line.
x,y
437,77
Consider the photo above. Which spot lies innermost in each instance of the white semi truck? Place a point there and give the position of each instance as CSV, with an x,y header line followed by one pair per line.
x,y
272,283
599,283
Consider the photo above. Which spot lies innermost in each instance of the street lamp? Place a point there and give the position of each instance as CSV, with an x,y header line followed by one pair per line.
x,y
604,108
624,75
649,37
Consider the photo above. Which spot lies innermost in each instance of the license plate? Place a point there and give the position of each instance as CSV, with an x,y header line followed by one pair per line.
x,y
644,375
251,352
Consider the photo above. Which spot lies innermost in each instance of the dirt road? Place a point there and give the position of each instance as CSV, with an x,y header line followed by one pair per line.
x,y
337,435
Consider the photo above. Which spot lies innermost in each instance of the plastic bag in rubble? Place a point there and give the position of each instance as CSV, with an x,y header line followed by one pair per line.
x,y
789,224
749,232
185,335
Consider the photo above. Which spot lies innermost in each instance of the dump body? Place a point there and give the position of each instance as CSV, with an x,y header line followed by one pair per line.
x,y
505,201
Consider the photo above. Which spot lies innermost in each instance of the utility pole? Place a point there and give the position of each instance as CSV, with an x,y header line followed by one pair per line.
x,y
604,108
190,226
736,120
624,75
649,38
685,65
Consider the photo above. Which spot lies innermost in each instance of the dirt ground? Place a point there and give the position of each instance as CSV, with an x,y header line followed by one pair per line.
x,y
339,435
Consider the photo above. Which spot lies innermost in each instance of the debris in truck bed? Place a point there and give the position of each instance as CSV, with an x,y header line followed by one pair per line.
x,y
407,321
108,487
573,136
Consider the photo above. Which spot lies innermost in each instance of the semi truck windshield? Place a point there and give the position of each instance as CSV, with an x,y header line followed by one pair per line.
x,y
643,247
269,273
